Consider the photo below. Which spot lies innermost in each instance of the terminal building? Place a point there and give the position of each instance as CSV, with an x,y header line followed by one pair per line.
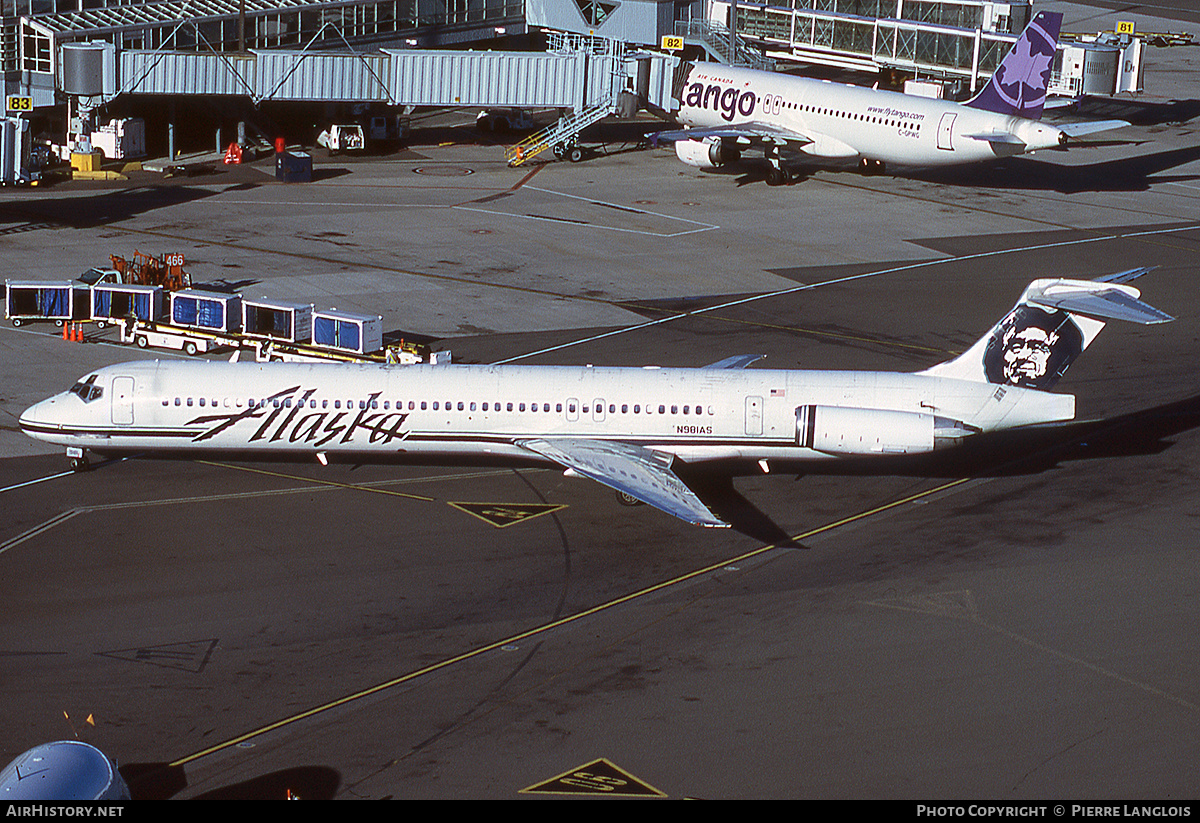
x,y
200,71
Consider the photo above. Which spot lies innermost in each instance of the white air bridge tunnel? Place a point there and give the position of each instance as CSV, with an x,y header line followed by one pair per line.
x,y
590,78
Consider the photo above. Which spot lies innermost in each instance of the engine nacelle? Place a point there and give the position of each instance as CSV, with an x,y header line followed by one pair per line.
x,y
705,155
844,430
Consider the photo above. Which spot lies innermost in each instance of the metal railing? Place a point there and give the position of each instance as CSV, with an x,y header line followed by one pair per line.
x,y
716,38
561,133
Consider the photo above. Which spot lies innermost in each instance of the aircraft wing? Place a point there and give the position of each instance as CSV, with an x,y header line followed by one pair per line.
x,y
744,134
738,361
636,471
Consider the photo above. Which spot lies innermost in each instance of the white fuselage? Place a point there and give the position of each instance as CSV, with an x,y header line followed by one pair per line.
x,y
392,414
845,121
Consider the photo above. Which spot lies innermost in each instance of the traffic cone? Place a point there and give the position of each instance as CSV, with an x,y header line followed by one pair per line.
x,y
78,332
65,330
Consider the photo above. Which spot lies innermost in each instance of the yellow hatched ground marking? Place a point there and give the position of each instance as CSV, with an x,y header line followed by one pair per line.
x,y
503,515
600,777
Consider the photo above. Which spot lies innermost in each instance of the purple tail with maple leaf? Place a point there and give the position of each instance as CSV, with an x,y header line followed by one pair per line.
x,y
1018,85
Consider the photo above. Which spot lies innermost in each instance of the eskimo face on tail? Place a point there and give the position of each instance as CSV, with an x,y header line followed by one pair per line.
x,y
1019,83
1032,348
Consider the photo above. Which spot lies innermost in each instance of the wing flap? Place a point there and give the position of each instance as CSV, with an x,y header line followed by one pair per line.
x,y
764,135
633,470
743,134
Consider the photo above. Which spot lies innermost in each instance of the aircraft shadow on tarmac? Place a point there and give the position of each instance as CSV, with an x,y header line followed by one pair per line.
x,y
995,454
99,210
1137,112
1029,174
1014,174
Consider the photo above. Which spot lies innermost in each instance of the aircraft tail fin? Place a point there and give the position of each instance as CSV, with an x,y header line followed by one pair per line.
x,y
1051,325
1018,85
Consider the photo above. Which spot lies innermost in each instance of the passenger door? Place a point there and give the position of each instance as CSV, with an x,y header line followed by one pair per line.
x,y
945,133
754,415
122,401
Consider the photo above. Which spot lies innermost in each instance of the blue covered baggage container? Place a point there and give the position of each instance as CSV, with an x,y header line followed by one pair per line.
x,y
34,300
211,311
113,301
343,331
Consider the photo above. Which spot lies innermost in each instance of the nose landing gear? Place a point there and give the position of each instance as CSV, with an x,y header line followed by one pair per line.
x,y
78,460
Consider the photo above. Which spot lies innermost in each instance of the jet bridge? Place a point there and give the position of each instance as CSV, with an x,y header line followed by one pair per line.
x,y
577,73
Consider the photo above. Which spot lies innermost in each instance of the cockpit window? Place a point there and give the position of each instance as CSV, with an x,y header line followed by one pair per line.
x,y
87,390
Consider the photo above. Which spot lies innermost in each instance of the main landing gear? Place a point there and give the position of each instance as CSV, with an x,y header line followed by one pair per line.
x,y
777,175
868,166
628,500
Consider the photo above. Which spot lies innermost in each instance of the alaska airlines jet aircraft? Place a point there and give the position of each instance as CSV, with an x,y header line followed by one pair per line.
x,y
727,109
623,427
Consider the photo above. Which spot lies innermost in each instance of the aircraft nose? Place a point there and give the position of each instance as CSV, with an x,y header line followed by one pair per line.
x,y
40,418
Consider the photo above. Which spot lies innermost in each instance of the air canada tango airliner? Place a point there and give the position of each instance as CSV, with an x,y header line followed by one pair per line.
x,y
726,110
628,428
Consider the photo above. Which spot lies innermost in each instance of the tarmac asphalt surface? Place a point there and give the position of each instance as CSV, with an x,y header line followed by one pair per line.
x,y
1014,621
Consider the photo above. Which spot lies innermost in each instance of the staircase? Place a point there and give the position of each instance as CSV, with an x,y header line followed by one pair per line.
x,y
713,37
562,134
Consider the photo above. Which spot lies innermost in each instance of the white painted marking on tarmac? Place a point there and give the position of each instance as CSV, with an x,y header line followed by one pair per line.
x,y
323,204
699,226
36,530
850,278
36,481
212,498
582,225
623,207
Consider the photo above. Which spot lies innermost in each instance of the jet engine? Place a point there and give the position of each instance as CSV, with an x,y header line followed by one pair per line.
x,y
705,155
844,430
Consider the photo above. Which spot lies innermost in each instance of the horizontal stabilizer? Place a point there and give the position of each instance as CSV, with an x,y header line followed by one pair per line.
x,y
1089,126
997,137
1125,276
636,471
1060,102
1110,304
